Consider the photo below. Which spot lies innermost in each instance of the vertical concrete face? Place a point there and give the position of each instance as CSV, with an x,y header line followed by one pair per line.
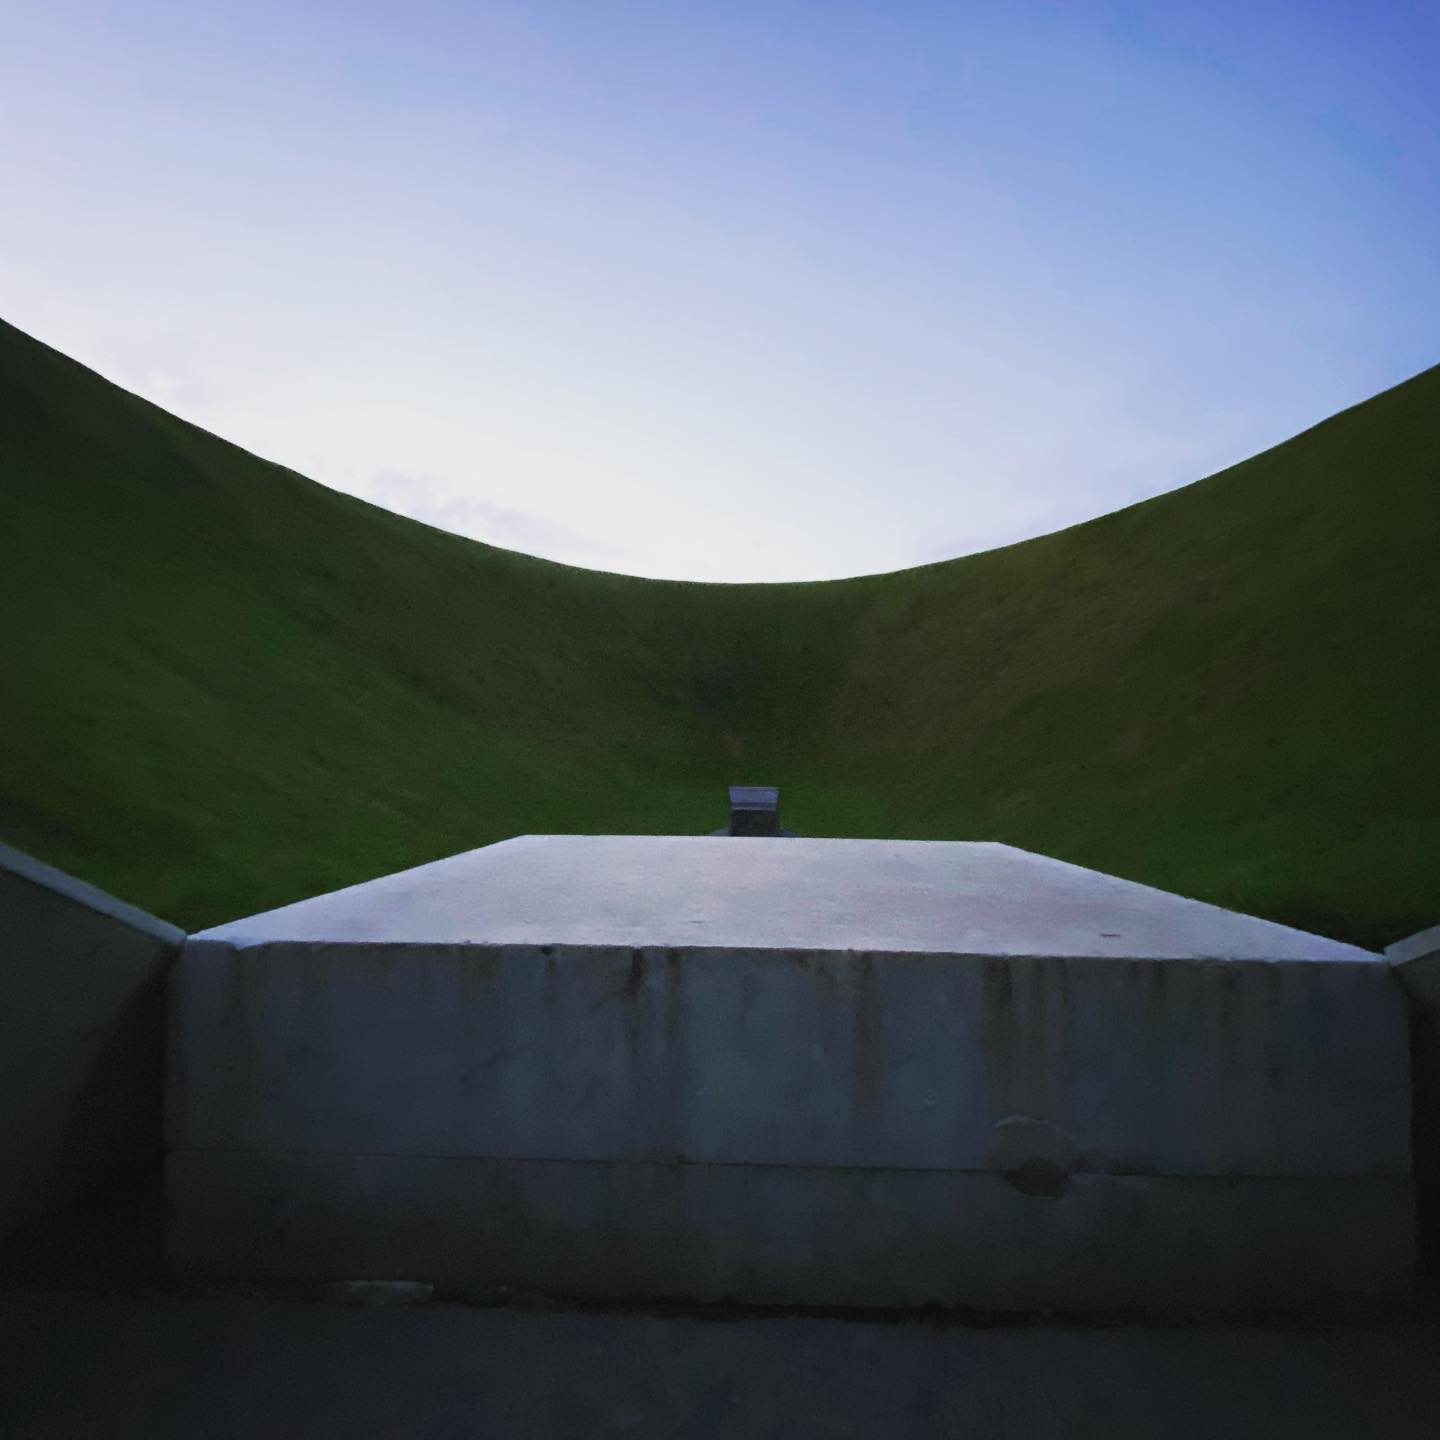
x,y
799,1072
81,1036
1416,963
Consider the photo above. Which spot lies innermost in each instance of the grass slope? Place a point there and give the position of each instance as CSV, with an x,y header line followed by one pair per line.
x,y
225,687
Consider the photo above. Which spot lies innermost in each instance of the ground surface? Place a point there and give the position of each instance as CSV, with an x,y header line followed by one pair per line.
x,y
84,1365
226,687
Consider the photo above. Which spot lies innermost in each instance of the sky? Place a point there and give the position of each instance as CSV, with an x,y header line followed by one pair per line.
x,y
730,289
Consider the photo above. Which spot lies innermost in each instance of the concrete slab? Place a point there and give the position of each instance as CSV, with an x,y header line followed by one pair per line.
x,y
778,894
896,1071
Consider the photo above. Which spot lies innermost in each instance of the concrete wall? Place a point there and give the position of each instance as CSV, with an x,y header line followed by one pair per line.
x,y
81,1036
1097,1135
1417,967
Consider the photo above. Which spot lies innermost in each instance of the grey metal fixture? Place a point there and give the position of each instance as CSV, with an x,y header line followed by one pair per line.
x,y
754,810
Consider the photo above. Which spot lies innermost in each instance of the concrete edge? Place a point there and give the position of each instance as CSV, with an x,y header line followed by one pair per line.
x,y
215,931
203,942
1415,963
1356,952
47,877
1414,947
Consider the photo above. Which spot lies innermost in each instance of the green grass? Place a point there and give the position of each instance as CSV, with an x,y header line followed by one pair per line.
x,y
225,687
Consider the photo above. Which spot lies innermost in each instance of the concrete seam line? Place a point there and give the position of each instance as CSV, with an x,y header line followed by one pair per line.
x,y
680,1162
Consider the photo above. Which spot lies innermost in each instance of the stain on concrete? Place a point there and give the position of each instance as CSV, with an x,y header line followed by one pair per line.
x,y
868,1082
673,1081
635,977
1037,1176
997,1029
1037,1157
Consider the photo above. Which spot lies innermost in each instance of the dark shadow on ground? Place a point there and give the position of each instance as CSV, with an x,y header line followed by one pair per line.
x,y
80,1364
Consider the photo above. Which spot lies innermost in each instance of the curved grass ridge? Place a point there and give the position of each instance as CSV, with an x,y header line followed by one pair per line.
x,y
226,687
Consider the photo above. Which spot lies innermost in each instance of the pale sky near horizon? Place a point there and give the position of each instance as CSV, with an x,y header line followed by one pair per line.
x,y
730,289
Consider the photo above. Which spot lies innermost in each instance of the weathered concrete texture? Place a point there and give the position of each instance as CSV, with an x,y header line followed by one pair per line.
x,y
1220,1125
772,1234
81,1035
792,1058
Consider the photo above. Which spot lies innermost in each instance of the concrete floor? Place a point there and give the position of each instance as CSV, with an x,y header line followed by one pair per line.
x,y
77,1364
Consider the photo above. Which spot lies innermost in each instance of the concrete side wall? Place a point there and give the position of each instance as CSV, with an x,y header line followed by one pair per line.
x,y
793,1058
81,1035
1417,966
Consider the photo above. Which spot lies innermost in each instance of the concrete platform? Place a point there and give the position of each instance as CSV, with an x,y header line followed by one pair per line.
x,y
792,1071
922,896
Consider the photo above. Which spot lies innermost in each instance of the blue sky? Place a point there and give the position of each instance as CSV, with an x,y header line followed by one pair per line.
x,y
731,290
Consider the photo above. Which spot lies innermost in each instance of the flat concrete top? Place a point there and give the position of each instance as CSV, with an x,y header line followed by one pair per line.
x,y
939,897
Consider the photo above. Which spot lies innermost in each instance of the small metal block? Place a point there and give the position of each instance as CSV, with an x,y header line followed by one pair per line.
x,y
754,810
